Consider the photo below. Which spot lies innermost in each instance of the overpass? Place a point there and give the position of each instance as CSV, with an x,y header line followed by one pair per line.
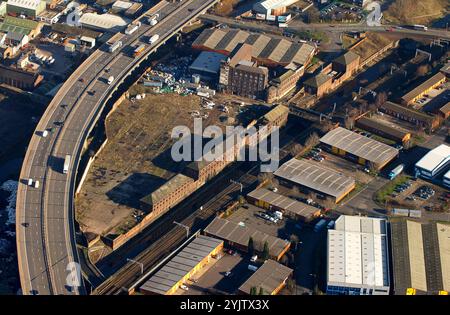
x,y
46,244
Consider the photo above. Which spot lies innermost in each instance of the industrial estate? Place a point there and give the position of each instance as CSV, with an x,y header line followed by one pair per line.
x,y
349,99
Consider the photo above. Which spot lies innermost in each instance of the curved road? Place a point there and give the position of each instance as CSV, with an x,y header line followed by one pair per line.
x,y
46,243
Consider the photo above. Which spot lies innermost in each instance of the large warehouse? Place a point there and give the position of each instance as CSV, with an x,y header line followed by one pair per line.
x,y
238,235
359,148
421,257
273,7
357,257
31,8
271,277
183,266
266,50
267,199
434,162
316,178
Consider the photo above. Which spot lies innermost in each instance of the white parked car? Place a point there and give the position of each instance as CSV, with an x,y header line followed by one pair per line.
x,y
254,258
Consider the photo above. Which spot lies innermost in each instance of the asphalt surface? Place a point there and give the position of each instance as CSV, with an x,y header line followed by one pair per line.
x,y
44,216
297,25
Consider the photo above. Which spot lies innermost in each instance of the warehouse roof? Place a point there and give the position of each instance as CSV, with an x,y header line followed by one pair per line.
x,y
208,62
240,234
165,190
359,145
435,158
265,47
314,176
283,202
273,4
366,122
270,276
357,252
423,87
409,112
106,21
26,4
421,256
180,265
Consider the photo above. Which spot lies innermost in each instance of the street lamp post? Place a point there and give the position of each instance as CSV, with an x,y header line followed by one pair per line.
x,y
237,183
137,263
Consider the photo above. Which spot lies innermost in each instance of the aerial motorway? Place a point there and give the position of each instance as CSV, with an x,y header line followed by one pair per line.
x,y
46,244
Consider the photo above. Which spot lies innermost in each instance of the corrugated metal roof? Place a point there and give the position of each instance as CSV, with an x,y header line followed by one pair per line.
x,y
273,49
180,265
360,146
314,176
423,87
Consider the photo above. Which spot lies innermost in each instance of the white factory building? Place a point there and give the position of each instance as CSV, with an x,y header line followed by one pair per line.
x,y
273,7
434,162
357,257
29,8
446,180
103,22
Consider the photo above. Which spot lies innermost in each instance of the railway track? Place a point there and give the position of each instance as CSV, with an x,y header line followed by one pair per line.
x,y
161,246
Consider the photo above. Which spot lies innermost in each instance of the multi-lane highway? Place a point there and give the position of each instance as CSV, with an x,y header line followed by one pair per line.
x,y
45,216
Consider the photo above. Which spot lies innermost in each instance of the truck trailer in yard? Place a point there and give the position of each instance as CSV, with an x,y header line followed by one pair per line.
x,y
396,171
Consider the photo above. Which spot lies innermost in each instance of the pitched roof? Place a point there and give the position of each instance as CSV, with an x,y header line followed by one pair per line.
x,y
346,58
318,80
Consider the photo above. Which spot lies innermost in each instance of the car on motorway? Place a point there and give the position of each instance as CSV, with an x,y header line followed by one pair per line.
x,y
184,287
228,274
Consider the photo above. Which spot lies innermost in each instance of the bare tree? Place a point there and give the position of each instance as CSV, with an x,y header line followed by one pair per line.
x,y
312,140
296,149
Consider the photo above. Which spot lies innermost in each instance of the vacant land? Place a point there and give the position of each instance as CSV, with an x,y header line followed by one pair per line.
x,y
416,12
135,160
370,45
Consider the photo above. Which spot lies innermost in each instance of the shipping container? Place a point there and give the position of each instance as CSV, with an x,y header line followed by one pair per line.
x,y
400,212
282,25
320,225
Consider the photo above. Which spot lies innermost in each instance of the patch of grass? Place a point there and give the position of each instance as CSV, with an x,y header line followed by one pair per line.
x,y
382,194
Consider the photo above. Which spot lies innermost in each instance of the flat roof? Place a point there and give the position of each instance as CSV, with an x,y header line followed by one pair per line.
x,y
435,158
283,202
240,234
357,252
315,176
180,265
422,87
268,277
208,61
360,146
